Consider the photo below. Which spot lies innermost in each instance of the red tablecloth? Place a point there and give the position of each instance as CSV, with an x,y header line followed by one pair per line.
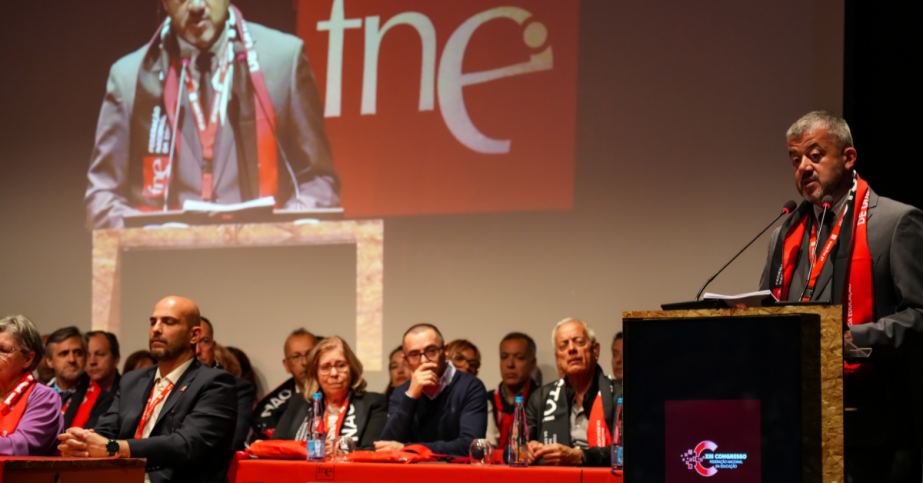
x,y
266,471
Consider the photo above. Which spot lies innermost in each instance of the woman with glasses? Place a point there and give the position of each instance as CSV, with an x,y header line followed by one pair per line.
x,y
336,373
30,413
464,355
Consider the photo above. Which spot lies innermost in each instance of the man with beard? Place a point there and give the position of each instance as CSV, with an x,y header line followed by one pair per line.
x,y
861,251
235,86
103,360
517,362
179,415
82,399
570,420
440,407
269,410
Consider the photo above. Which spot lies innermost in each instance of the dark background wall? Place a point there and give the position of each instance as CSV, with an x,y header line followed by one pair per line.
x,y
882,96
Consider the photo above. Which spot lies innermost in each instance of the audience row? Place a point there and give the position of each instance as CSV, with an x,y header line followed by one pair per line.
x,y
186,404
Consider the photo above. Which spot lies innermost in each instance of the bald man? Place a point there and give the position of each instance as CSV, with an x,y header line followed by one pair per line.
x,y
180,414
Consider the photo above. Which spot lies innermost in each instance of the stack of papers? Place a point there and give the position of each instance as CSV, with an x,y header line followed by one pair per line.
x,y
743,301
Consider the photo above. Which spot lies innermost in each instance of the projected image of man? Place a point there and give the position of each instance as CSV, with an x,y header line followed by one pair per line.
x,y
250,123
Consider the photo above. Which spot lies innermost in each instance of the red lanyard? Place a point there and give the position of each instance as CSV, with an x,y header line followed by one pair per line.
x,y
208,128
151,404
344,409
819,263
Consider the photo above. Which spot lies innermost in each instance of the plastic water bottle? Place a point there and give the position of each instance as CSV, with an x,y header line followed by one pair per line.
x,y
618,459
317,436
519,437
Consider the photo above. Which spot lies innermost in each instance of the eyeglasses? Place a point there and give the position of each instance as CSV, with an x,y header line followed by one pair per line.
x,y
7,352
327,368
298,357
472,364
431,353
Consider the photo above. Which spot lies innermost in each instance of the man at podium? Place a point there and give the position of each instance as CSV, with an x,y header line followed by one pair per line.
x,y
848,246
212,109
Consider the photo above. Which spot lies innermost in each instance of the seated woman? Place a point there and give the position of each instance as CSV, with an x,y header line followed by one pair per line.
x,y
400,371
335,372
30,413
464,355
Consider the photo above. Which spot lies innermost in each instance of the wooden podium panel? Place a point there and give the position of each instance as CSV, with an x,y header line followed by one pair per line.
x,y
70,470
366,235
816,387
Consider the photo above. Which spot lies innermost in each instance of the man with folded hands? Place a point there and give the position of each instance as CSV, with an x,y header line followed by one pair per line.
x,y
570,420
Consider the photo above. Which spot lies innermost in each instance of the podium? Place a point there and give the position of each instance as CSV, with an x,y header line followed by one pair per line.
x,y
745,395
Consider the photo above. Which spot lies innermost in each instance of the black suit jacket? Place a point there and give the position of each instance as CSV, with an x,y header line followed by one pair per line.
x,y
191,440
246,398
891,393
103,401
370,417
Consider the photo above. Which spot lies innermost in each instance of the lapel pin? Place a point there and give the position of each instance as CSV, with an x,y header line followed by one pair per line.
x,y
183,389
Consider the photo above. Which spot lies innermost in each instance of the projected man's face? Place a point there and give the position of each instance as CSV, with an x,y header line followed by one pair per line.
x,y
575,352
198,22
821,166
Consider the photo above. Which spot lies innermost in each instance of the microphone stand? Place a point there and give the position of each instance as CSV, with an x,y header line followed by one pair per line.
x,y
179,103
701,290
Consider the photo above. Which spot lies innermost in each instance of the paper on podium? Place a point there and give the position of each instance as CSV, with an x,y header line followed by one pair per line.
x,y
196,205
743,301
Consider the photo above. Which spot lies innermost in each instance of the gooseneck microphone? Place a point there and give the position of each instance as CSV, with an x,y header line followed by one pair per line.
x,y
242,57
826,205
179,103
788,208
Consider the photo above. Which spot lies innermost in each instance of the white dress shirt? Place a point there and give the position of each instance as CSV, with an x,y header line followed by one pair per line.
x,y
160,384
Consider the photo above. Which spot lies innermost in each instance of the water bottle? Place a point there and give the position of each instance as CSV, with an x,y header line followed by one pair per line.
x,y
519,437
317,436
618,459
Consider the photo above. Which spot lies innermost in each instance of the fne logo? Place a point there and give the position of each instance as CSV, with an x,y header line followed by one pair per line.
x,y
706,462
447,107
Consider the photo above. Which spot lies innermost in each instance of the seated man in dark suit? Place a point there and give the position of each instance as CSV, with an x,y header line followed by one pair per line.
x,y
180,415
440,407
246,393
82,399
571,420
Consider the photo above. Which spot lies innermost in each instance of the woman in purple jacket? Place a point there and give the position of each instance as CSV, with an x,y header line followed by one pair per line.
x,y
30,413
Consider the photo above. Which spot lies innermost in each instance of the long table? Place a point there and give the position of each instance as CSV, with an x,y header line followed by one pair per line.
x,y
70,470
266,471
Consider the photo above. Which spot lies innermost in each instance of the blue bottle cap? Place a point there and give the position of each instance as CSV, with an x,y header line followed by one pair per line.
x,y
620,401
316,395
518,398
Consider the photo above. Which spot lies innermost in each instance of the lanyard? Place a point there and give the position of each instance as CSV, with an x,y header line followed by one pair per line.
x,y
819,263
208,128
340,415
151,404
498,402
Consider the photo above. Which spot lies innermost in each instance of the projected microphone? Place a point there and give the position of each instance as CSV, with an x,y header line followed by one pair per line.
x,y
179,102
242,57
788,208
826,204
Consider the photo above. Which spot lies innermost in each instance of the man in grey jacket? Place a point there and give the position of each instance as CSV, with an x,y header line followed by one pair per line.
x,y
250,123
868,259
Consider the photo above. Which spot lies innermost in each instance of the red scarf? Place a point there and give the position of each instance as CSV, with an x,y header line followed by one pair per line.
x,y
505,421
13,407
86,407
858,293
207,127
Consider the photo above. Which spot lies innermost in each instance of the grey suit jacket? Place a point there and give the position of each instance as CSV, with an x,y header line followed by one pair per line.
x,y
889,404
300,128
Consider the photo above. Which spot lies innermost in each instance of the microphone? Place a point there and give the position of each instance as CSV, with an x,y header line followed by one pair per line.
x,y
788,208
826,204
242,57
179,102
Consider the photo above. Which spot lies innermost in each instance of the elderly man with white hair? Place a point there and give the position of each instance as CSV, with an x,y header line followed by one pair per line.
x,y
571,420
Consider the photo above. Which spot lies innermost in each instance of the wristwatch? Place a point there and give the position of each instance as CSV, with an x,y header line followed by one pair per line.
x,y
112,447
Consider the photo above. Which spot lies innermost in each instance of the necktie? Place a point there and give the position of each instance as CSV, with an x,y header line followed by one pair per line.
x,y
204,66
